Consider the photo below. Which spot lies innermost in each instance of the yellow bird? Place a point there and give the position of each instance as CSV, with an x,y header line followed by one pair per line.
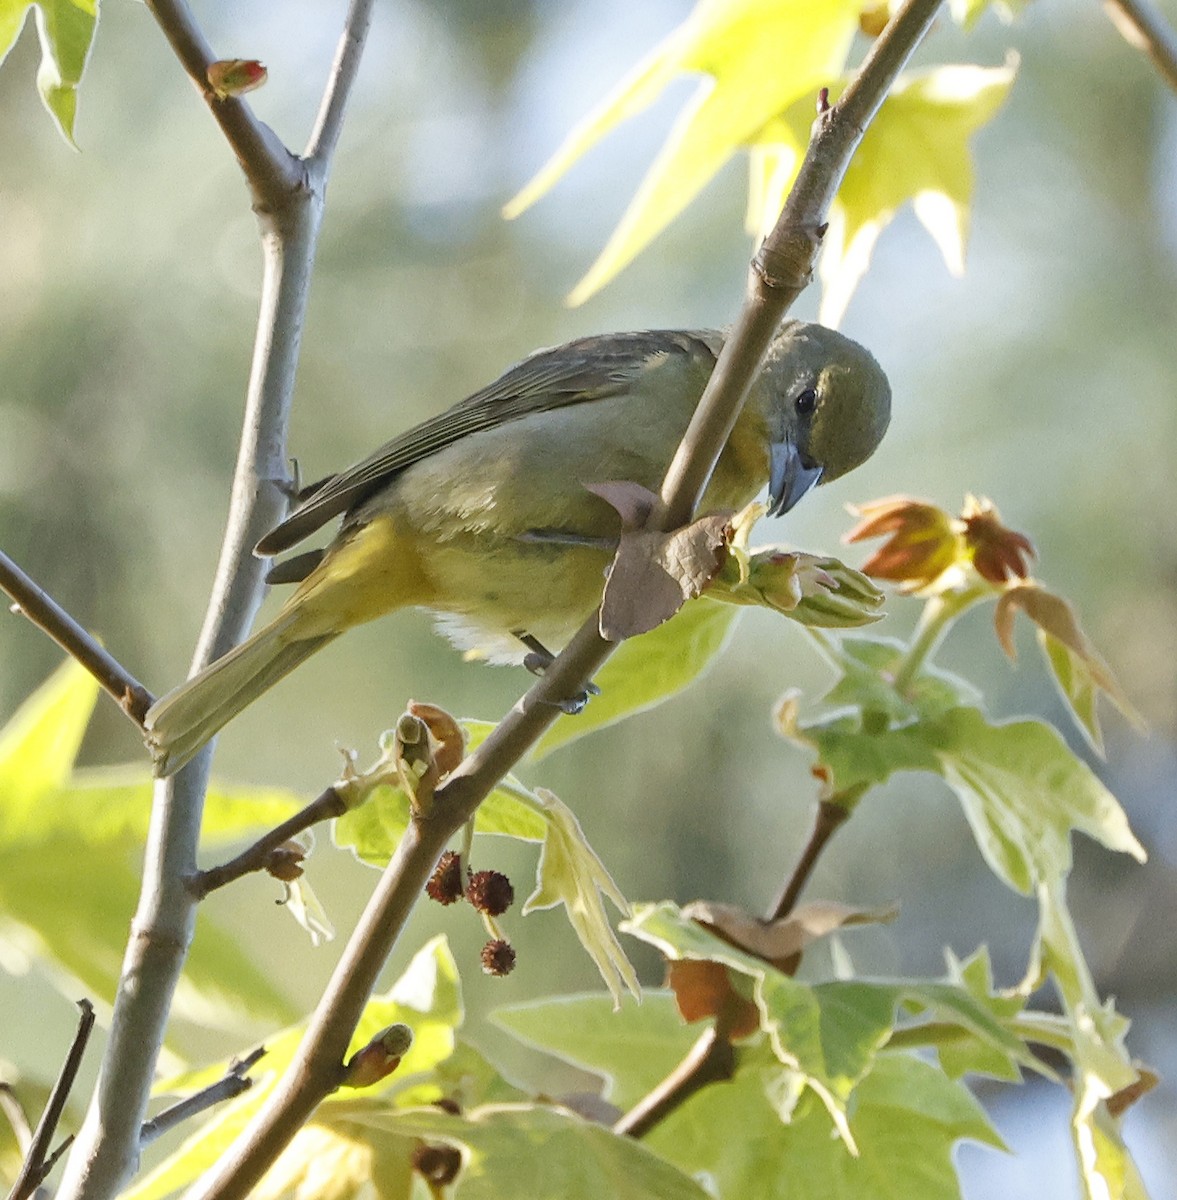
x,y
481,513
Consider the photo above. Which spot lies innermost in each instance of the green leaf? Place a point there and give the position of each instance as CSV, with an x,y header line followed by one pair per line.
x,y
646,670
65,29
427,998
1023,791
1102,1065
758,56
868,668
980,1055
632,1049
828,1033
39,744
907,1119
915,151
67,886
571,874
545,1153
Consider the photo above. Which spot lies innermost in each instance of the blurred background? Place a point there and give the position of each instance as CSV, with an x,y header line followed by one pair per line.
x,y
1044,378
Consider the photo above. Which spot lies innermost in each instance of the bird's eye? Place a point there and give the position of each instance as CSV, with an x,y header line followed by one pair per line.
x,y
806,402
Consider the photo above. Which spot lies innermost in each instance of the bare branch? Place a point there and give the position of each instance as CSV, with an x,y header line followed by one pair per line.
x,y
325,135
231,1084
270,169
257,857
829,820
288,201
38,1161
1145,29
35,603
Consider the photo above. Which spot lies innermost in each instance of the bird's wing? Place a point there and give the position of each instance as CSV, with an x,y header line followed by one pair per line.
x,y
588,369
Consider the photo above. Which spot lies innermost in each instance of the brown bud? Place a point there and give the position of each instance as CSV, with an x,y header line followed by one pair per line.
x,y
498,957
285,861
445,884
439,1164
490,892
379,1058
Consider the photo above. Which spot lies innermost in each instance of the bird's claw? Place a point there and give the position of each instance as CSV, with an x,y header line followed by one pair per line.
x,y
538,660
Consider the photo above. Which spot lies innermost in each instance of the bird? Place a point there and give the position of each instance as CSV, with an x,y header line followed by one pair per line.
x,y
482,515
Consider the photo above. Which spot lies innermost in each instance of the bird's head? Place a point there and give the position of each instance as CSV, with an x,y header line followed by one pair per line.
x,y
829,404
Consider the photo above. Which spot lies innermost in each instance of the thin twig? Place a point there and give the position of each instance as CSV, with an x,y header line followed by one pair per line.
x,y
325,135
270,169
710,1060
828,821
326,805
34,602
1145,29
38,1162
231,1084
780,271
288,200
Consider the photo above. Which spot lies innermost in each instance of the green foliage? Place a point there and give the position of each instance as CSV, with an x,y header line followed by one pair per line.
x,y
65,29
70,844
763,62
646,670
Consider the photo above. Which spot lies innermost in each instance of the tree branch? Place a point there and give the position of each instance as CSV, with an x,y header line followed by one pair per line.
x,y
325,135
231,1084
1145,29
289,201
271,171
326,805
35,603
38,1162
781,269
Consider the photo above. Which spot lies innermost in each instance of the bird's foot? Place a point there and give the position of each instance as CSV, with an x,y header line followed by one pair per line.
x,y
538,659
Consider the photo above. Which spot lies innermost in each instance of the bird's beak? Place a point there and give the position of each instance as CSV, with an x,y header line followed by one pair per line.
x,y
788,478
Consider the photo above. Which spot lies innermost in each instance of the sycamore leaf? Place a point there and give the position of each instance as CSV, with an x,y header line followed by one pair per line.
x,y
1022,789
907,1119
1023,792
571,874
541,1151
69,848
654,572
65,29
646,670
829,1034
916,150
632,1049
1102,1068
1078,670
757,56
427,998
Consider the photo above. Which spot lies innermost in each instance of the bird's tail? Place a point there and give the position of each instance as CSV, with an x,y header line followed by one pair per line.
x,y
181,722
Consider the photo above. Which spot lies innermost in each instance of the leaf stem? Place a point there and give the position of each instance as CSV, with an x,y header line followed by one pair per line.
x,y
935,621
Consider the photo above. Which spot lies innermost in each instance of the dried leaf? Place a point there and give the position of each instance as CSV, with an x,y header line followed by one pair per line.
x,y
654,573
